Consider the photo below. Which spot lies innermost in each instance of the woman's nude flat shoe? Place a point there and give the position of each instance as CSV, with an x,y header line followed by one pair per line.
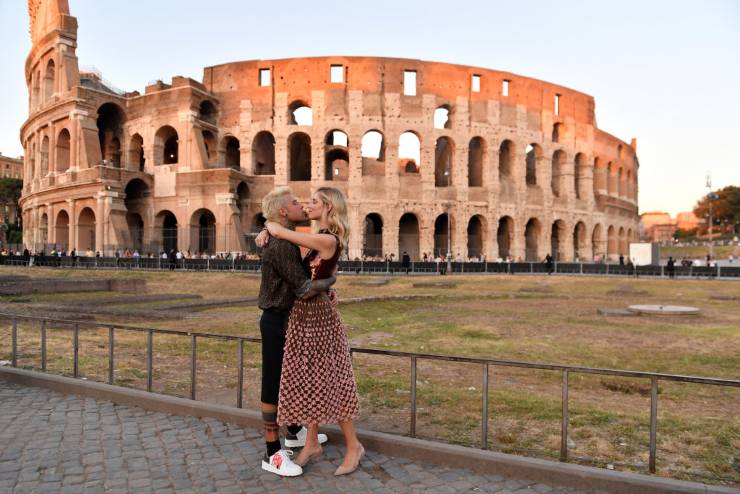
x,y
347,470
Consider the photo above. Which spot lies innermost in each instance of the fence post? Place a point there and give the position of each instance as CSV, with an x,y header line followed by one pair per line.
x,y
43,345
240,378
193,350
564,425
484,419
413,396
149,358
76,343
653,421
110,355
14,338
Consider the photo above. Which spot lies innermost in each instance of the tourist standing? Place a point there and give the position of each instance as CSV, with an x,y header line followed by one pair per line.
x,y
671,267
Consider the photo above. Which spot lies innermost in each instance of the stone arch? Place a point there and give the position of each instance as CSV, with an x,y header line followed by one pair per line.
x,y
409,152
408,235
43,232
137,201
166,226
166,146
557,132
598,245
476,158
372,242
263,153
580,244
444,228
505,236
299,113
207,112
558,159
232,153
31,153
86,230
622,241
49,80
532,234
557,240
136,158
61,229
209,142
336,156
506,160
203,231
62,151
443,117
532,157
44,165
600,178
629,188
110,132
299,157
444,151
579,167
611,179
372,150
612,242
476,236
620,182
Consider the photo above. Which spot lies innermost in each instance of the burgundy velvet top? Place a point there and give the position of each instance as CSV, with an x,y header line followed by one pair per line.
x,y
322,268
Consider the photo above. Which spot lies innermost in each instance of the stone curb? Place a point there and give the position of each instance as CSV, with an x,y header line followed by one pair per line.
x,y
477,460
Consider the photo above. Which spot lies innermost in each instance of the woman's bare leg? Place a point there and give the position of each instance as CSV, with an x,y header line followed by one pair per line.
x,y
312,446
354,448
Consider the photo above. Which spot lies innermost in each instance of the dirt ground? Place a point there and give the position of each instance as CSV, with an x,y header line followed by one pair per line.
x,y
514,318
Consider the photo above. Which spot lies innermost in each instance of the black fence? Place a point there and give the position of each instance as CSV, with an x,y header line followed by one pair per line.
x,y
378,267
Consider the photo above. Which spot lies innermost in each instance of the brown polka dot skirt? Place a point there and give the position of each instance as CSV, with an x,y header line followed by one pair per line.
x,y
317,383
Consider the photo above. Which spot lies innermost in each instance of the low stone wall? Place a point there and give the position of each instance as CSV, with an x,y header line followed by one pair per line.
x,y
53,285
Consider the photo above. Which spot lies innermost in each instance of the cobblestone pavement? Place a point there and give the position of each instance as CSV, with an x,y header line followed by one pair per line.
x,y
55,443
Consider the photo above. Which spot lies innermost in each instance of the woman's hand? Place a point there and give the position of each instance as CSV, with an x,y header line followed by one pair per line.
x,y
275,229
262,239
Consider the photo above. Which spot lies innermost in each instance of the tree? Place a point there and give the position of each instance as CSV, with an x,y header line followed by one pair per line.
x,y
725,206
10,191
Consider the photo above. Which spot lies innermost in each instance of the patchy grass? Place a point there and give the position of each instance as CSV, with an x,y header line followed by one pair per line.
x,y
484,316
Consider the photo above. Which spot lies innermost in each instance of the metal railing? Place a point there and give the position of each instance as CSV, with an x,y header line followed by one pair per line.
x,y
414,357
388,267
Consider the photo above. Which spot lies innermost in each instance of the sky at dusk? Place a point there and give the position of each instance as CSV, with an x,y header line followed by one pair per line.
x,y
664,72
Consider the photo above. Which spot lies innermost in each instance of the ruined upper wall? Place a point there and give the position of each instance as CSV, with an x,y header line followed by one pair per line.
x,y
46,16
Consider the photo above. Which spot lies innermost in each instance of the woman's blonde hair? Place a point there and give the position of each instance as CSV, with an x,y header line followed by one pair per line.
x,y
337,216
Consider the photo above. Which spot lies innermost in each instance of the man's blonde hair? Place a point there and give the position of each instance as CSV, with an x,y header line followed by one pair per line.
x,y
273,201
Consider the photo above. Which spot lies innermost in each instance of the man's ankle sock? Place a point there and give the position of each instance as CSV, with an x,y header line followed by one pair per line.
x,y
294,429
272,447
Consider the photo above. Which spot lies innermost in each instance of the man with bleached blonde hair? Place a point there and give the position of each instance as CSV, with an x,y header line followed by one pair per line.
x,y
283,280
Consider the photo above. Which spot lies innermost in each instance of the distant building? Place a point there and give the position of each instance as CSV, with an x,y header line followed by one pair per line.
x,y
11,167
658,226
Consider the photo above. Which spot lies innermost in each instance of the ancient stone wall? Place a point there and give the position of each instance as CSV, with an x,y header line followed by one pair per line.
x,y
431,156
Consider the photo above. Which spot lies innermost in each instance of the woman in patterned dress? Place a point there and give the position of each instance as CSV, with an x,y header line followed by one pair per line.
x,y
317,383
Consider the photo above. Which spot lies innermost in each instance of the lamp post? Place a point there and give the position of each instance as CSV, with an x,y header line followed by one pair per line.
x,y
449,226
711,196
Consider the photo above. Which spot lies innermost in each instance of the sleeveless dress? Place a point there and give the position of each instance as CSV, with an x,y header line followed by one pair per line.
x,y
317,383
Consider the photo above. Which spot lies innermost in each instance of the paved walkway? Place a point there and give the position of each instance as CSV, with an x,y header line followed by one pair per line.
x,y
55,443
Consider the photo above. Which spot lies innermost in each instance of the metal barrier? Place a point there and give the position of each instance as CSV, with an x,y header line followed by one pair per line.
x,y
414,358
387,267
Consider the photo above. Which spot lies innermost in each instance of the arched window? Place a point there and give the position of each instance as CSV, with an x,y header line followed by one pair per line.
x,y
557,240
86,230
209,141
534,153
62,151
231,150
372,149
443,228
505,237
44,165
532,232
476,230
442,118
409,152
558,159
476,150
443,154
49,79
136,153
372,243
299,113
557,130
579,167
505,159
336,156
166,146
203,232
263,153
299,157
408,235
611,179
110,132
207,112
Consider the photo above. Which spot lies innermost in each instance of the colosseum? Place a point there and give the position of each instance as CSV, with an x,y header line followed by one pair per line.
x,y
433,157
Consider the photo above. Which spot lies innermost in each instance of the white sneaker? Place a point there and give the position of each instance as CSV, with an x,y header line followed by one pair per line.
x,y
281,464
299,440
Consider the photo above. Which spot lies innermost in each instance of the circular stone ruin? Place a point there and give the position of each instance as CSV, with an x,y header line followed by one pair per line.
x,y
664,310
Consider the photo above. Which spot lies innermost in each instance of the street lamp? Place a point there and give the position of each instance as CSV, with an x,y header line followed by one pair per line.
x,y
449,233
